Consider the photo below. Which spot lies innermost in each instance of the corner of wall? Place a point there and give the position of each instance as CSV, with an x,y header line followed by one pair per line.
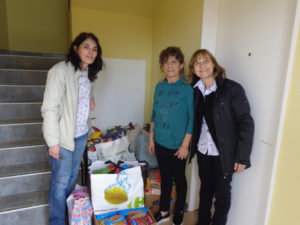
x,y
4,43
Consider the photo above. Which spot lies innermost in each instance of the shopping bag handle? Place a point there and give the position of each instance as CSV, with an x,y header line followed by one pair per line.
x,y
117,166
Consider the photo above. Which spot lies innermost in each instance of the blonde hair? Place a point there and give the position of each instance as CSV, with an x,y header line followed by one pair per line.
x,y
204,53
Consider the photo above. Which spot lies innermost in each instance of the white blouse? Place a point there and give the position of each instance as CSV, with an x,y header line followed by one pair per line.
x,y
206,145
84,88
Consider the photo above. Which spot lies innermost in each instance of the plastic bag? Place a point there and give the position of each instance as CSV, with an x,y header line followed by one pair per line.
x,y
80,208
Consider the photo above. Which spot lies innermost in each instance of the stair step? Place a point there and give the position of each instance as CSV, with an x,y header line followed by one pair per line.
x,y
26,168
37,215
20,121
20,110
22,91
23,155
20,131
27,62
24,200
23,77
24,101
24,183
11,52
27,183
23,142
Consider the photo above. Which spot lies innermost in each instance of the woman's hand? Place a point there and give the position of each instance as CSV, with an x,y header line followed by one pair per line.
x,y
151,146
54,151
182,152
92,104
239,167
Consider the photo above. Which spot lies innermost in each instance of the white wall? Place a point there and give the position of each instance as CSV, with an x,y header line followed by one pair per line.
x,y
120,93
253,43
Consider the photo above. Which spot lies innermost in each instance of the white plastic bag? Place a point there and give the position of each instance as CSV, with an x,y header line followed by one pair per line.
x,y
112,192
98,165
118,149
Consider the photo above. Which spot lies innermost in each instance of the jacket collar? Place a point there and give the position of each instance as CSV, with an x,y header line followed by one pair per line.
x,y
77,73
204,91
219,80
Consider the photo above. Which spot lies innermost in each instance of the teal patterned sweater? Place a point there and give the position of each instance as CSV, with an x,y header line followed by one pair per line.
x,y
173,113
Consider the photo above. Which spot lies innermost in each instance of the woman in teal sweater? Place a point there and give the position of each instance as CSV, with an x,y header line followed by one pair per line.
x,y
170,131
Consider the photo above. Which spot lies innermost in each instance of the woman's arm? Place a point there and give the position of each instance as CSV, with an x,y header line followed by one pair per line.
x,y
183,151
245,126
54,91
92,99
92,104
151,145
190,110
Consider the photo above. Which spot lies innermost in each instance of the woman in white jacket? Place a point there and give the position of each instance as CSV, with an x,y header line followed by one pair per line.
x,y
65,110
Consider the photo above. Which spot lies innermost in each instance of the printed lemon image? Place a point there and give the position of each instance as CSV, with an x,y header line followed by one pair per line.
x,y
115,196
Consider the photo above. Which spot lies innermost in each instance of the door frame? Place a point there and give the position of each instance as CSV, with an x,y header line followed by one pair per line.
x,y
208,41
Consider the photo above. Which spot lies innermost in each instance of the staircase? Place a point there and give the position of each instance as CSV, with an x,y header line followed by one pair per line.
x,y
24,169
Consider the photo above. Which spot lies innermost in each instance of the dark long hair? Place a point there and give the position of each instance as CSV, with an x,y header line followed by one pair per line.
x,y
73,57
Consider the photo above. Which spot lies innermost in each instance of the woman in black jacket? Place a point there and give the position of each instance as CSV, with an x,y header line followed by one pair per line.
x,y
222,135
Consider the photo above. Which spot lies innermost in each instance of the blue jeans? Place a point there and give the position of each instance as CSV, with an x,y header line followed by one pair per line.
x,y
64,173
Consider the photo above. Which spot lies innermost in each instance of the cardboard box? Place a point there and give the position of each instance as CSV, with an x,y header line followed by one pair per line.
x,y
95,222
152,201
149,216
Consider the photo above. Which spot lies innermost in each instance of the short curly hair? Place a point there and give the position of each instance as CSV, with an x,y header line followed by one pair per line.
x,y
171,51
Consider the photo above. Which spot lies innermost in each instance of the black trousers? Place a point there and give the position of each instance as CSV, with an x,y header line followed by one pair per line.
x,y
213,184
170,166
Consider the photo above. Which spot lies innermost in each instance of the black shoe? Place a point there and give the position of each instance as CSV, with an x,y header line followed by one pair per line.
x,y
160,219
178,218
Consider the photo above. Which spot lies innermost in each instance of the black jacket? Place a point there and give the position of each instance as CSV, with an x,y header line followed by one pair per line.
x,y
234,126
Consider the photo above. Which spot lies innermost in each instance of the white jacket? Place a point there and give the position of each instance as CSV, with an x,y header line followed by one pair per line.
x,y
59,109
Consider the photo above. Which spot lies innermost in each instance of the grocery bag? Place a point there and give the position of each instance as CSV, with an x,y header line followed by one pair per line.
x,y
142,153
112,192
118,149
80,208
132,132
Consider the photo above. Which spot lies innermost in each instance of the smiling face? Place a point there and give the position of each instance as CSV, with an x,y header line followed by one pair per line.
x,y
87,52
172,67
204,68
